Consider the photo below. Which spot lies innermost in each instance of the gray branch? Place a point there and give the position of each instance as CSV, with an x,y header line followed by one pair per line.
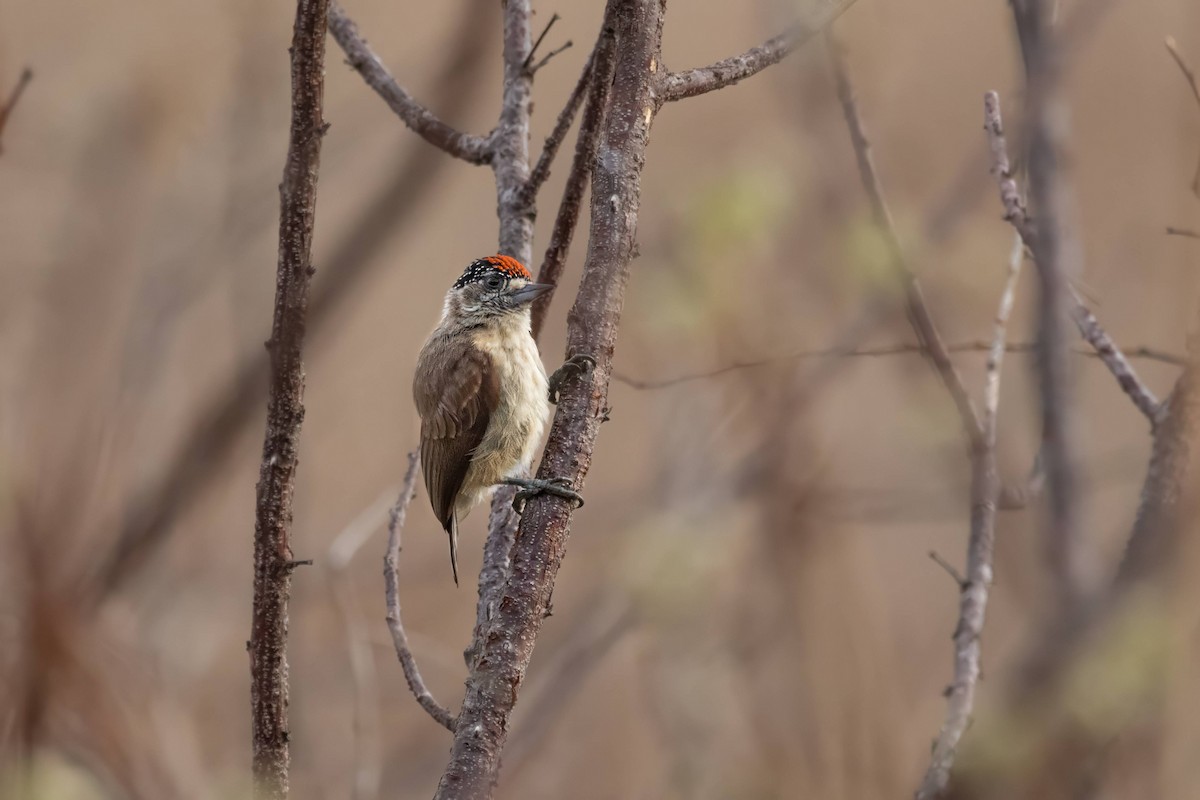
x,y
422,121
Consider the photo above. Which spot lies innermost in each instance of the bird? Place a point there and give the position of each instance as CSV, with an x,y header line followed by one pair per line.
x,y
482,393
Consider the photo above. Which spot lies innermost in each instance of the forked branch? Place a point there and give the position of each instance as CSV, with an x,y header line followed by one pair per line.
x,y
1089,327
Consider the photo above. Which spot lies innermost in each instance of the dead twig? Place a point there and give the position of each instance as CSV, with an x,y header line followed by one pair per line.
x,y
391,580
468,147
701,80
273,562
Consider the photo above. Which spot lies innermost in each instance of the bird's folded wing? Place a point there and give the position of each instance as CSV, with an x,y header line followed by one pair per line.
x,y
455,400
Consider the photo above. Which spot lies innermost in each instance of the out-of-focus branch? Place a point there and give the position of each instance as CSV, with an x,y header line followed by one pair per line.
x,y
391,577
210,444
976,584
509,635
273,562
882,351
13,98
918,310
590,641
1058,256
1190,76
1184,232
701,80
422,121
567,219
368,767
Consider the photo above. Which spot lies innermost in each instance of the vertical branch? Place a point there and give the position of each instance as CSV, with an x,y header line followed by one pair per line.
x,y
975,586
1058,259
273,562
507,641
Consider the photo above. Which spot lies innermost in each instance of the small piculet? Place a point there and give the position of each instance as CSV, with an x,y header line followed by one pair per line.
x,y
482,393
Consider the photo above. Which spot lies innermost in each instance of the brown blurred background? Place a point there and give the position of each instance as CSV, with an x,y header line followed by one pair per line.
x,y
747,608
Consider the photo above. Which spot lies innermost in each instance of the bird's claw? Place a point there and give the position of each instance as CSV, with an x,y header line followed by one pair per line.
x,y
531,487
579,364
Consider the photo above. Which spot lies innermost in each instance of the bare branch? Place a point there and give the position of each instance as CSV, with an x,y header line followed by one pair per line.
x,y
1089,327
541,170
14,97
976,585
1190,77
510,633
1185,232
701,80
555,259
918,311
470,148
882,351
1114,359
562,48
391,579
273,563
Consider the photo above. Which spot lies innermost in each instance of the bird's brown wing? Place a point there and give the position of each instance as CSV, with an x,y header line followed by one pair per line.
x,y
455,396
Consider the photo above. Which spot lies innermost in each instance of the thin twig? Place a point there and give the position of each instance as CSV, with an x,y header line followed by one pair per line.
x,y
470,148
918,310
701,80
13,97
562,48
273,561
569,208
1190,77
1089,327
538,41
368,769
541,170
1108,352
949,568
882,351
391,581
1185,232
976,584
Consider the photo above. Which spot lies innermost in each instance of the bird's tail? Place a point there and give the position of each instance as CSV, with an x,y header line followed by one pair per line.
x,y
452,529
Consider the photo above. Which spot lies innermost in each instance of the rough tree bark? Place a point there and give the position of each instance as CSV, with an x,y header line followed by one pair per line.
x,y
273,562
508,638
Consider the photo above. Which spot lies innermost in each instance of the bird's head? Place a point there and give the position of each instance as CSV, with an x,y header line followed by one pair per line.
x,y
492,288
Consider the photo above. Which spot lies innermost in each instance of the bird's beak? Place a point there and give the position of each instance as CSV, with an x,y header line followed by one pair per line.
x,y
530,292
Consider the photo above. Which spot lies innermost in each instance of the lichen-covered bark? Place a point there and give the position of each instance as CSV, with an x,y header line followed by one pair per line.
x,y
285,408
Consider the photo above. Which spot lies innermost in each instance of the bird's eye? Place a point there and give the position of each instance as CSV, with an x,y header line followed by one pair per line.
x,y
493,282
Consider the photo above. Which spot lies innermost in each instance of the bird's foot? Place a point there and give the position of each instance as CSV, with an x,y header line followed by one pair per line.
x,y
530,487
574,366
